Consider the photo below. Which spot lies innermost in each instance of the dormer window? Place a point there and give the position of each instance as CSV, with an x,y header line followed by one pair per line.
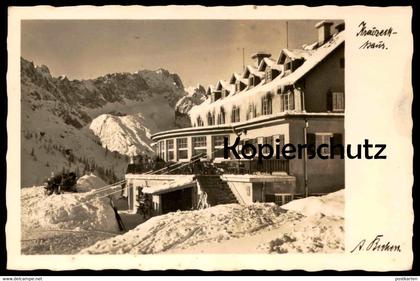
x,y
268,72
217,95
239,86
225,93
252,81
274,73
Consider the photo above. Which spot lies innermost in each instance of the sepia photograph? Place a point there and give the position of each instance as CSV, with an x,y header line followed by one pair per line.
x,y
123,127
211,138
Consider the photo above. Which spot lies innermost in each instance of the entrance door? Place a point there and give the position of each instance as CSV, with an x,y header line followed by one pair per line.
x,y
177,200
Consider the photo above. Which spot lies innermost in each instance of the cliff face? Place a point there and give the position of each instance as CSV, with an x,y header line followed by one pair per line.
x,y
92,124
195,96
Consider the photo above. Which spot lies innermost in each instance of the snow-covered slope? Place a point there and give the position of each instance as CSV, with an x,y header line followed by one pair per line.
x,y
233,228
57,113
126,134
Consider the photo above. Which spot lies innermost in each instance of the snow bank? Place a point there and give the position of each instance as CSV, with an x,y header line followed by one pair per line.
x,y
233,228
181,230
314,234
89,182
70,211
329,205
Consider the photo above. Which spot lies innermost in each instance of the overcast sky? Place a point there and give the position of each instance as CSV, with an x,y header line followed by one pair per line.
x,y
199,51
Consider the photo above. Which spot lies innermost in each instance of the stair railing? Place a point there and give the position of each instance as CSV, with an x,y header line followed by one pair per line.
x,y
236,193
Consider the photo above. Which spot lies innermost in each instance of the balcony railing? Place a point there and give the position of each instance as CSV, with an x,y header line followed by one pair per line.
x,y
224,167
254,166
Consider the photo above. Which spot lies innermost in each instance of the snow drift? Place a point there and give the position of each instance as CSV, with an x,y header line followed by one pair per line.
x,y
234,228
65,223
69,211
89,182
329,205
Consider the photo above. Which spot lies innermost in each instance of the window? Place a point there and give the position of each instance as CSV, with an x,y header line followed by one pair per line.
x,y
235,116
210,119
268,76
199,145
217,95
251,81
182,154
161,153
199,141
252,111
266,105
239,86
323,138
218,144
221,116
337,101
248,149
170,144
182,143
200,122
170,156
225,93
182,147
267,140
288,102
274,73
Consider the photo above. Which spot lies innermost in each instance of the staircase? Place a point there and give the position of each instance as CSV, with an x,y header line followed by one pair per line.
x,y
218,191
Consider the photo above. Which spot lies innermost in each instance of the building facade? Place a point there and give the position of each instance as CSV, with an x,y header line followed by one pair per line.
x,y
296,98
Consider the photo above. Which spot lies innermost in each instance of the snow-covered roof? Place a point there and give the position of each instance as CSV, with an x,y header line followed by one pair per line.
x,y
222,84
210,89
248,70
235,76
278,67
265,62
256,93
184,182
293,54
311,46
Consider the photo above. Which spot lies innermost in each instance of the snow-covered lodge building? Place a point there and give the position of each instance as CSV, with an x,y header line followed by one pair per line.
x,y
297,97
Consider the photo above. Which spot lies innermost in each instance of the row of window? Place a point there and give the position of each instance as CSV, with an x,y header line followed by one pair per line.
x,y
335,103
266,109
199,145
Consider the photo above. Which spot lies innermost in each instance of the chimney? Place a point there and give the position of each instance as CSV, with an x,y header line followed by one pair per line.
x,y
259,56
324,31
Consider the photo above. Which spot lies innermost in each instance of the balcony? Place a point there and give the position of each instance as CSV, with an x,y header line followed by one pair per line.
x,y
236,167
